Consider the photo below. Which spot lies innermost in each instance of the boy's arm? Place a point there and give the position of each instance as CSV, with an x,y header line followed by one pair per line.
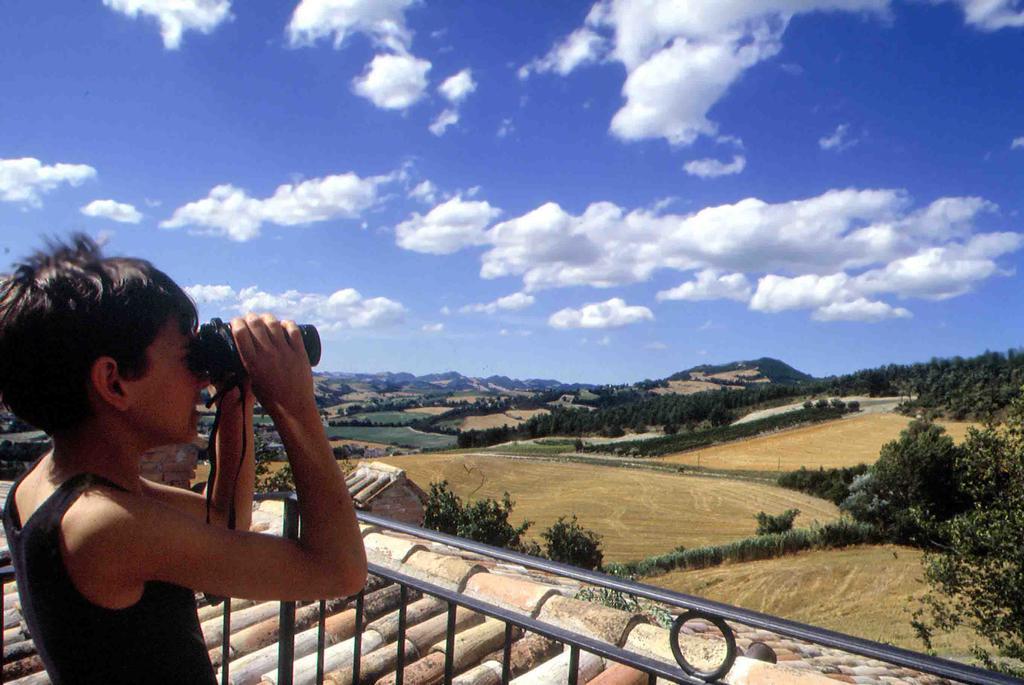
x,y
234,419
236,472
121,541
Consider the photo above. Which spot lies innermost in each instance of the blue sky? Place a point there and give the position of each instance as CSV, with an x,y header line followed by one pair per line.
x,y
596,192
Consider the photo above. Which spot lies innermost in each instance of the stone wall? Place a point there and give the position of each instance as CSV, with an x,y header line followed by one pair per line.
x,y
171,464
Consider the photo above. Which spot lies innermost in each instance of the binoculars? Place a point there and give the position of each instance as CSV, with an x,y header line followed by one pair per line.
x,y
213,352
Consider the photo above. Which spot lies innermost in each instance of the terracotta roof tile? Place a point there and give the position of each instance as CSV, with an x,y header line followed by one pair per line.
x,y
508,592
587,618
478,641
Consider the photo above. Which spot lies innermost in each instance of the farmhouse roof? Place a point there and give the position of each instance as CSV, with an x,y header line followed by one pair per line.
x,y
369,481
547,597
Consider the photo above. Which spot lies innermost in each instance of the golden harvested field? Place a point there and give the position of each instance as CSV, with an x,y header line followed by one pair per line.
x,y
526,414
864,591
433,411
638,512
488,421
513,417
832,444
685,388
339,442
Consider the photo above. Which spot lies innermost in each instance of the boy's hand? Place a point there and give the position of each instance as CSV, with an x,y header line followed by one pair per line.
x,y
275,358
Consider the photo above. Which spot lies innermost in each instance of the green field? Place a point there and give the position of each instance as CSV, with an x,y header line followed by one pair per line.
x,y
206,420
389,417
401,436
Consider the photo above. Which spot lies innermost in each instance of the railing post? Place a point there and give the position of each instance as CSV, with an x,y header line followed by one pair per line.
x,y
3,590
321,626
286,620
225,642
506,656
574,664
400,672
357,644
449,645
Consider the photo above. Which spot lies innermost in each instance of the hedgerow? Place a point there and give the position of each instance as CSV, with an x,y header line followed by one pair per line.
x,y
841,533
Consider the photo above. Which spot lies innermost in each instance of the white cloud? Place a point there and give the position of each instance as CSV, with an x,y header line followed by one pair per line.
x,y
710,285
425,191
1017,143
176,16
609,314
26,179
447,228
991,15
446,118
433,327
393,81
839,140
805,254
604,341
656,346
115,211
669,95
712,168
606,246
210,293
446,310
680,58
505,128
582,46
778,293
230,212
512,302
381,20
860,309
340,310
458,87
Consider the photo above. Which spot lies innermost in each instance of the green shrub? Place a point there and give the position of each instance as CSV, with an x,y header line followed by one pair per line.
x,y
483,520
913,487
830,484
838,534
571,543
780,523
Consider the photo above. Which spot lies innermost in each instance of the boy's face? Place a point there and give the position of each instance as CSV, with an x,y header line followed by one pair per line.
x,y
167,393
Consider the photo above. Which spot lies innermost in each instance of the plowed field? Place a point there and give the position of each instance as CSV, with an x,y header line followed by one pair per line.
x,y
832,444
638,512
864,591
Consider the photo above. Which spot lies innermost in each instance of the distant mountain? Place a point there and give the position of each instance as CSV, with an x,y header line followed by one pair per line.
x,y
433,383
763,370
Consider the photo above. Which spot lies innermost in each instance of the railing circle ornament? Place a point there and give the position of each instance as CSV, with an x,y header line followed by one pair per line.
x,y
730,645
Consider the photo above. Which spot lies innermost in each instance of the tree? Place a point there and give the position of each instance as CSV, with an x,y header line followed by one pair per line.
x,y
484,520
571,543
912,488
768,524
977,579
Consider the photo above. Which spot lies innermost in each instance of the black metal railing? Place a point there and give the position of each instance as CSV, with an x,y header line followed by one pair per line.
x,y
689,608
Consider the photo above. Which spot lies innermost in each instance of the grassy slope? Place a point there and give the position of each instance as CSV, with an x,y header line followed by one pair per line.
x,y
393,435
639,513
836,443
864,591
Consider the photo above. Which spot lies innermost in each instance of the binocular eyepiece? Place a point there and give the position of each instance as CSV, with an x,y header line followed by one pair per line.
x,y
213,352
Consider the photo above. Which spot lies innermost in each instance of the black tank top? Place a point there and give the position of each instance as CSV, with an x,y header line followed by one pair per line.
x,y
156,640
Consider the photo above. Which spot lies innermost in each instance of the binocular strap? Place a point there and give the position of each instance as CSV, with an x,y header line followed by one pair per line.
x,y
211,481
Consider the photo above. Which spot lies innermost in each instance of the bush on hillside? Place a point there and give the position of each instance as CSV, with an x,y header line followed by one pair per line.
x,y
571,543
484,520
780,523
977,578
830,484
841,533
913,487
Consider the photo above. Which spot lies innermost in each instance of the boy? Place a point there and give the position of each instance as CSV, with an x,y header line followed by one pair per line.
x,y
94,351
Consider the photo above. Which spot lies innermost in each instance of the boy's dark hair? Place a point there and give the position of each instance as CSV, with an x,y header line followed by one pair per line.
x,y
65,307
